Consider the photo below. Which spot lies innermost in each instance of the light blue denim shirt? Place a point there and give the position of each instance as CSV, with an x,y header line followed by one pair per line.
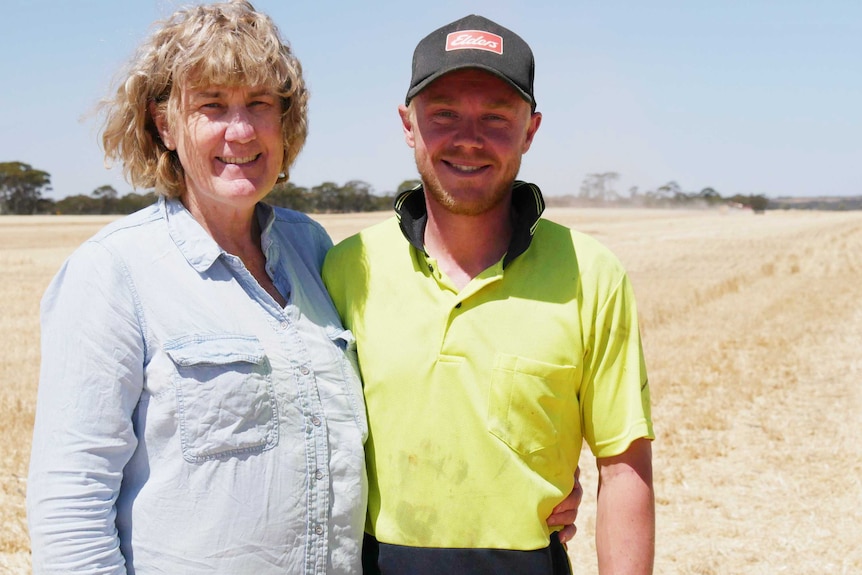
x,y
187,423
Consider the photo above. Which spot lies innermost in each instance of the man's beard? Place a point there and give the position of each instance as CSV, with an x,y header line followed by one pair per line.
x,y
478,203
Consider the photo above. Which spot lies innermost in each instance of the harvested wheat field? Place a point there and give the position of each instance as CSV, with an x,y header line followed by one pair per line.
x,y
752,329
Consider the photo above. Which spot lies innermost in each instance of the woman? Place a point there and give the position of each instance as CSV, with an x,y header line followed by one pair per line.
x,y
199,409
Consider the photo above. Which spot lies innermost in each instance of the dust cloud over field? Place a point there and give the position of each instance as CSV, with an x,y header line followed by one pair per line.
x,y
752,330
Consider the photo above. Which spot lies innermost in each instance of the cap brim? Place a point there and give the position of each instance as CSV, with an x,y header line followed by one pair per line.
x,y
430,79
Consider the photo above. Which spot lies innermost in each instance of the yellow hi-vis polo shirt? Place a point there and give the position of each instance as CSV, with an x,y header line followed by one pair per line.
x,y
479,400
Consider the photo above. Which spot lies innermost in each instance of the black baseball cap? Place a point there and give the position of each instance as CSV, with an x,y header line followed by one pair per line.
x,y
474,42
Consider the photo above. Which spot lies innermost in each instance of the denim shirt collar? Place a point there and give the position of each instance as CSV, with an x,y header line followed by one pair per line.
x,y
527,206
193,241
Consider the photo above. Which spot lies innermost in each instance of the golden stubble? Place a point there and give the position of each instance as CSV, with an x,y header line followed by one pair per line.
x,y
752,329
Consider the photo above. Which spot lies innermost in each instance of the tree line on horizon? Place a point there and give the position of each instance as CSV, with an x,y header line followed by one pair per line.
x,y
599,190
22,190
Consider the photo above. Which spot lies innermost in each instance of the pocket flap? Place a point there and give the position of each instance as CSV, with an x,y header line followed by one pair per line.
x,y
218,349
342,337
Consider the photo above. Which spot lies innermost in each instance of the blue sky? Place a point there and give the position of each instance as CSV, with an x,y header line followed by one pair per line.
x,y
749,97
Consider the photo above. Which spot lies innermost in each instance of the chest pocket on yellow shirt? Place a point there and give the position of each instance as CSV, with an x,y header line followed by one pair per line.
x,y
225,399
528,400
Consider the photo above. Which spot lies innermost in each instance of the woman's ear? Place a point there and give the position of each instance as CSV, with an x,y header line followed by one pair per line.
x,y
161,122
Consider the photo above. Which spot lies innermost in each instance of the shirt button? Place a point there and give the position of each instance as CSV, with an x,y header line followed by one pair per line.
x,y
318,474
303,370
430,268
318,530
283,325
316,421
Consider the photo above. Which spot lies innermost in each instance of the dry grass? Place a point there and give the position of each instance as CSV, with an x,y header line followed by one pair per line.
x,y
752,329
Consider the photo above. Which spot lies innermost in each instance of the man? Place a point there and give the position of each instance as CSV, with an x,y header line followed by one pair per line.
x,y
492,342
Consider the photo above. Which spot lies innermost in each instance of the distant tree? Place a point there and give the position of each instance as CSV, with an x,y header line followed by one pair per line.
x,y
354,196
358,196
671,192
106,196
78,205
289,195
710,196
133,202
382,202
589,188
758,203
105,192
326,197
45,206
599,187
103,200
21,188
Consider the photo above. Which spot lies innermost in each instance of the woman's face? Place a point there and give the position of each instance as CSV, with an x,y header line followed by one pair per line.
x,y
230,144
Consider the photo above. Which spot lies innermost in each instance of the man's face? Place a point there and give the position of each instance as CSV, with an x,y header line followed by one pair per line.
x,y
469,130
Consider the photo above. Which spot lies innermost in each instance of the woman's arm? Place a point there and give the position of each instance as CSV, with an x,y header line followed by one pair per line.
x,y
90,381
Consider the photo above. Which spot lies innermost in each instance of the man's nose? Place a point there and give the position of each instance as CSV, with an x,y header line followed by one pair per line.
x,y
469,134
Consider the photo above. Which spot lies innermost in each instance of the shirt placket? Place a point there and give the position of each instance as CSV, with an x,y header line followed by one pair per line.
x,y
317,455
316,436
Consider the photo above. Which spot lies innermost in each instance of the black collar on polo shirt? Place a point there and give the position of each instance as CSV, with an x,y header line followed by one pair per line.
x,y
527,207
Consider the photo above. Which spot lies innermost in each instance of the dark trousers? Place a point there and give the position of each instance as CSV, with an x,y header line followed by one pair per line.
x,y
386,559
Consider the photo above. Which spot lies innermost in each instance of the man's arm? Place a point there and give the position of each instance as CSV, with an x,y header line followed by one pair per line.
x,y
566,512
625,523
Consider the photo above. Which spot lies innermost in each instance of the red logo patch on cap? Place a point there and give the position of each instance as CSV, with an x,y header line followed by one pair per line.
x,y
474,40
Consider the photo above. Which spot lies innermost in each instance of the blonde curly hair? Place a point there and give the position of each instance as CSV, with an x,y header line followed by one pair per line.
x,y
226,44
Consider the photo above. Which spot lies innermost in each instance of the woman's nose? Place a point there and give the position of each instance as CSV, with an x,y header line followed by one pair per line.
x,y
240,127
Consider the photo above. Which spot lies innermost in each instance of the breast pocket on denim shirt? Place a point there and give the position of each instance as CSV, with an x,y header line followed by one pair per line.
x,y
225,398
